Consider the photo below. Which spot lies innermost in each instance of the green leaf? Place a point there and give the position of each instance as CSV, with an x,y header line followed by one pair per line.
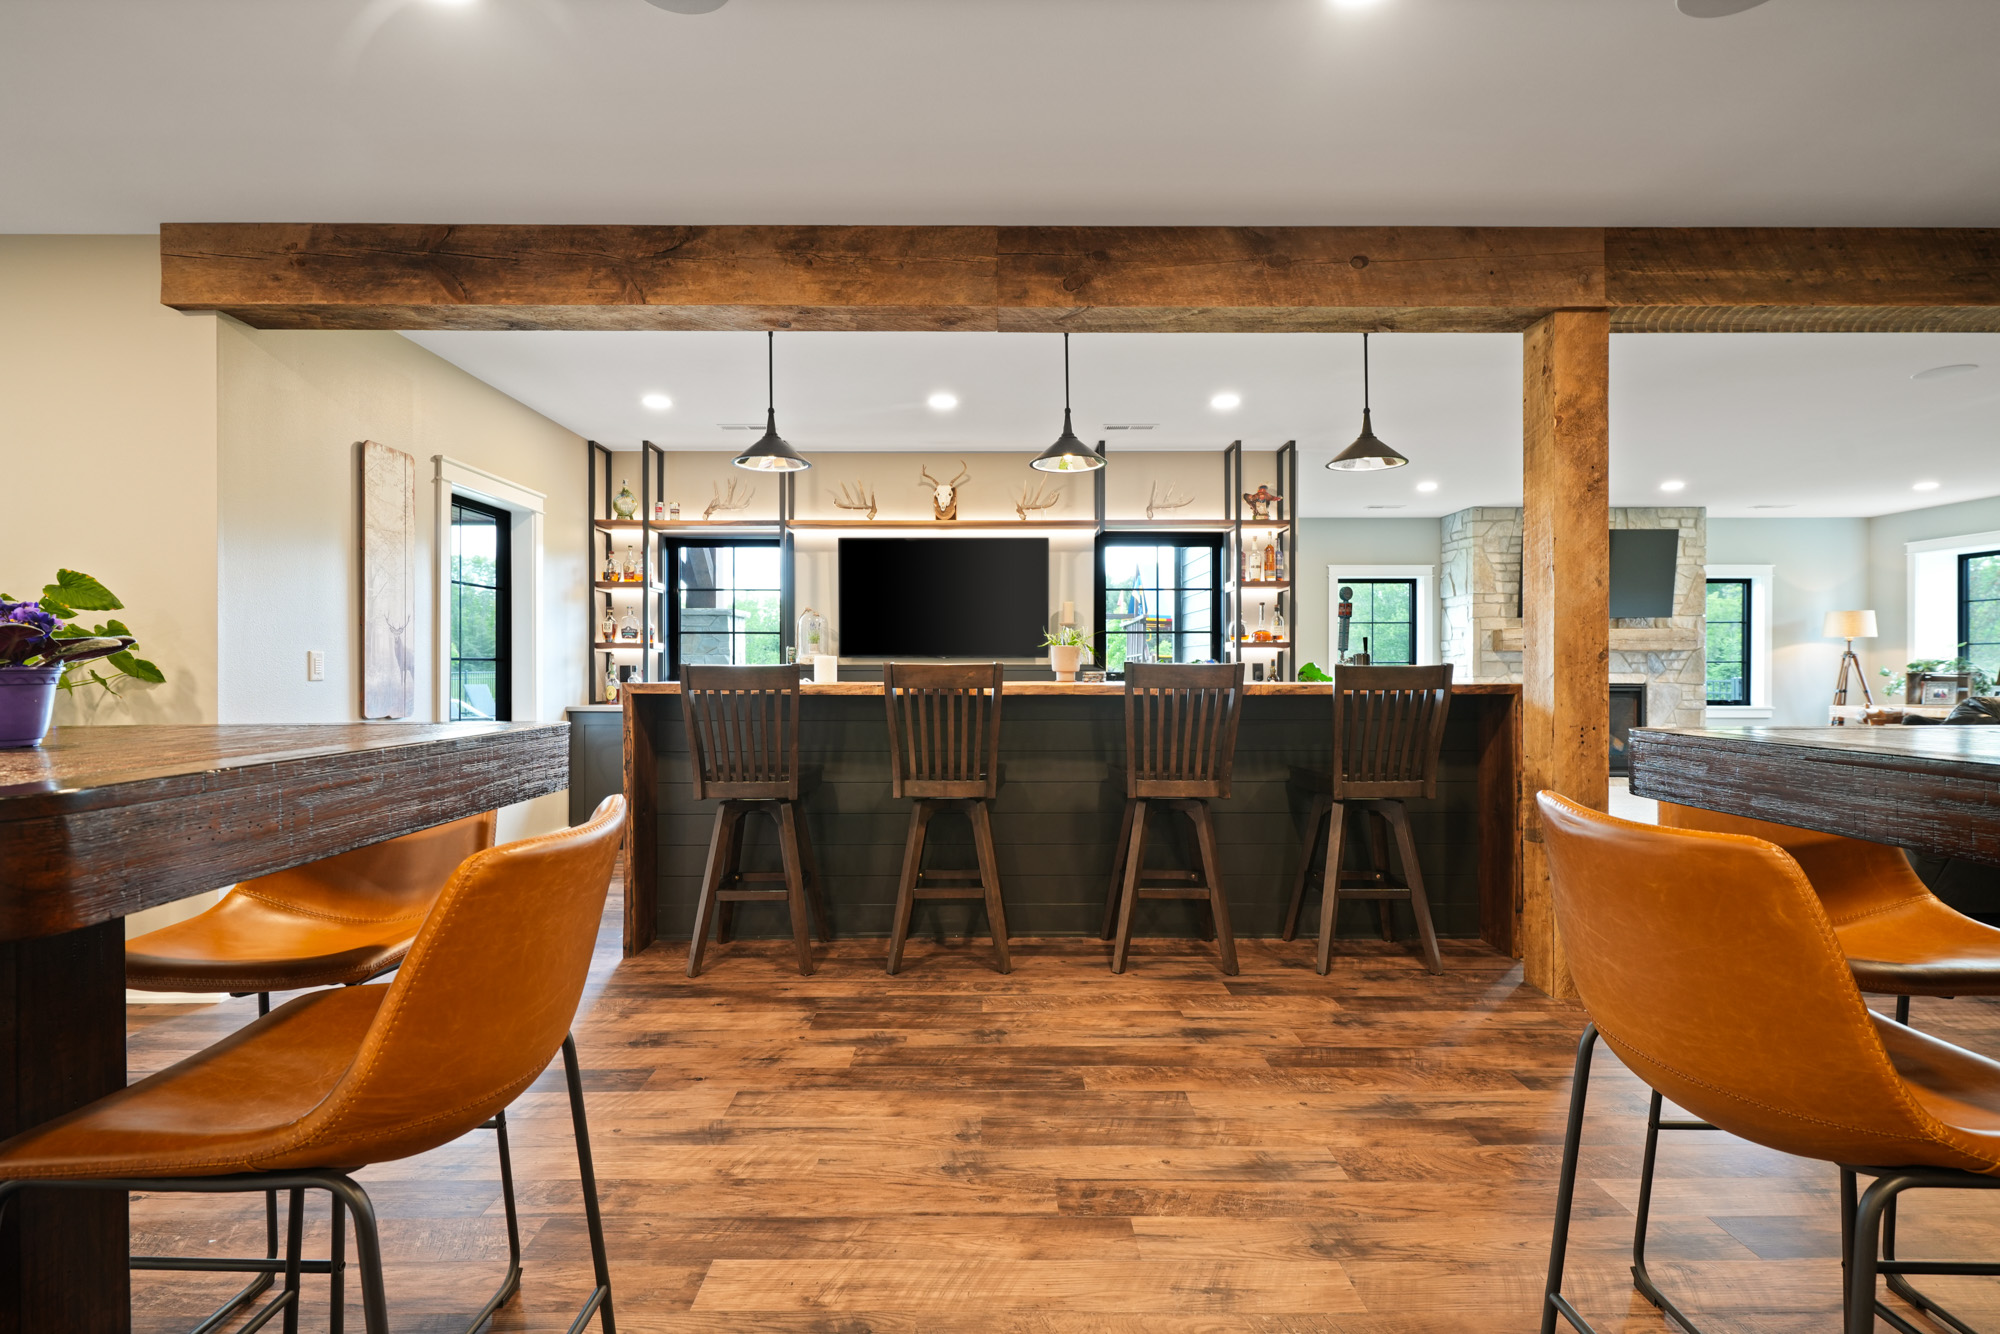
x,y
69,632
83,592
1311,672
55,608
137,668
101,681
114,626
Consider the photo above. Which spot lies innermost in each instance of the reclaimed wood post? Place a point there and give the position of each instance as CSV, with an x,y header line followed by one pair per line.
x,y
1565,602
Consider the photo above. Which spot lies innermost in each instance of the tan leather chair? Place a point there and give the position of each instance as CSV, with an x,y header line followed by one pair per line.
x,y
1900,939
335,1080
329,923
1709,966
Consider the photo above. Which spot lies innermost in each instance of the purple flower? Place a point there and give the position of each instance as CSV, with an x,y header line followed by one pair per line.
x,y
29,613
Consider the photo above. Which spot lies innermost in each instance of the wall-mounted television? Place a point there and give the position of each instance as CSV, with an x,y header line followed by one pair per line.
x,y
1642,571
943,597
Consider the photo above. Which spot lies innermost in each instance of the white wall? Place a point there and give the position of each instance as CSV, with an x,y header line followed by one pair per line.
x,y
1324,542
1818,565
107,411
293,405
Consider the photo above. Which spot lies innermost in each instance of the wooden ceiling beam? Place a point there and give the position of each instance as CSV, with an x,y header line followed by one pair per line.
x,y
1128,279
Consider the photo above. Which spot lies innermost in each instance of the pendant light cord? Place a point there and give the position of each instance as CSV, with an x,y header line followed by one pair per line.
x,y
770,370
1364,372
1065,373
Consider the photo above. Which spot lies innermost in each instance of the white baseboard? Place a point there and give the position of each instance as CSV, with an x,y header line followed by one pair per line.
x,y
175,997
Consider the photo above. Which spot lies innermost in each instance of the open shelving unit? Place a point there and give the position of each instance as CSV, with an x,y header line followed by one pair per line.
x,y
646,658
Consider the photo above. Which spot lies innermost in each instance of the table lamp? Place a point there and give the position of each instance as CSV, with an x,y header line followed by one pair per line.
x,y
1850,625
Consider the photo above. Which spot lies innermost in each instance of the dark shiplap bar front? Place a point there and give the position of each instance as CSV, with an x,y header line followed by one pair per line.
x,y
1057,815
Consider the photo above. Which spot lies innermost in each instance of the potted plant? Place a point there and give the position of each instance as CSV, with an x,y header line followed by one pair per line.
x,y
1065,648
40,644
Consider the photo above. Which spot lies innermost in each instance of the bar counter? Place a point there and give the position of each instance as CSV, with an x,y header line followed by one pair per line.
x,y
1056,819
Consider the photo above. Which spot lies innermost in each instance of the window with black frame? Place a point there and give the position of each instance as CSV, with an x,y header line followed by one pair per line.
x,y
481,633
1385,615
1728,612
1979,610
724,607
1159,598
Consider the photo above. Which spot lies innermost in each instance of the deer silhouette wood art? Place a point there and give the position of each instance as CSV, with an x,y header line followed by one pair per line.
x,y
863,499
728,502
944,495
1033,501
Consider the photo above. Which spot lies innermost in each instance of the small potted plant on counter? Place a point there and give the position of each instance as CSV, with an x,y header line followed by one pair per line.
x,y
40,644
1065,648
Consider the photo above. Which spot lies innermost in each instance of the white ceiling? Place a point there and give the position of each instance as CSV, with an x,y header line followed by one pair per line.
x,y
116,115
1823,424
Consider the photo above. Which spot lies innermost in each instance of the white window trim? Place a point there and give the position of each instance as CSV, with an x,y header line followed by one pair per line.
x,y
1931,591
456,478
1760,642
1427,609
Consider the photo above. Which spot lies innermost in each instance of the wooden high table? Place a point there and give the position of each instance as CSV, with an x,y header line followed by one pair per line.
x,y
101,822
1934,789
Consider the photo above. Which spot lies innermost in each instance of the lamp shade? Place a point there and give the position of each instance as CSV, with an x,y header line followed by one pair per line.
x,y
1850,625
1067,454
1366,454
771,453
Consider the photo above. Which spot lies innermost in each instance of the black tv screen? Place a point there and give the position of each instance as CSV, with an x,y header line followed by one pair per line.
x,y
1642,571
943,597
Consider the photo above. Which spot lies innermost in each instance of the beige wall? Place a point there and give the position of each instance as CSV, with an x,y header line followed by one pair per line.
x,y
107,425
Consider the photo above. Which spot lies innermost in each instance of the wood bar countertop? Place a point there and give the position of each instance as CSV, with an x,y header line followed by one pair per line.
x,y
1089,688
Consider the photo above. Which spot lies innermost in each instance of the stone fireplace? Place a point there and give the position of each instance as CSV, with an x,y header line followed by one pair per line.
x,y
1479,585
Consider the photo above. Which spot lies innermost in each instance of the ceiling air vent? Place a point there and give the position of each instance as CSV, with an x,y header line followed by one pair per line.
x,y
741,426
1130,426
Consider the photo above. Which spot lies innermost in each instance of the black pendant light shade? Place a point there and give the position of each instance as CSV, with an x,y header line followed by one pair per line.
x,y
1067,454
1366,454
771,453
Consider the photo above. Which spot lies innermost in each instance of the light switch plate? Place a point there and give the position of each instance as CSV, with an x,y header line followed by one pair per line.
x,y
315,664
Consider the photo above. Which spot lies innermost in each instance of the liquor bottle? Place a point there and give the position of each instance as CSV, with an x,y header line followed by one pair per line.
x,y
611,572
1284,564
631,565
1278,626
1270,562
610,682
629,627
1263,635
609,629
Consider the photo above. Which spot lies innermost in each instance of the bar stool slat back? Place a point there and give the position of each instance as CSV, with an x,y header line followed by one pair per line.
x,y
1180,752
944,752
743,746
1388,733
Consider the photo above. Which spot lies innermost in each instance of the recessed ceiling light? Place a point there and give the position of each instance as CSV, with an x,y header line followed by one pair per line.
x,y
1226,401
1672,486
1427,486
1946,372
657,402
942,401
1924,486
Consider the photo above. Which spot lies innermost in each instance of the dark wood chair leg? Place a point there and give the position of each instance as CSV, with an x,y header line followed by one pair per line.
x,y
1211,874
725,911
727,816
1128,892
1413,876
1329,901
989,880
906,884
815,888
1378,861
1314,819
1191,845
795,885
1115,895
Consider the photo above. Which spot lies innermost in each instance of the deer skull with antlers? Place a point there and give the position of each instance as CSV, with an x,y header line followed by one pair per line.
x,y
944,495
1171,501
1034,501
863,499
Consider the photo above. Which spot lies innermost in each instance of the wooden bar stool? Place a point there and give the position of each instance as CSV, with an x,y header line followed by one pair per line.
x,y
1388,729
944,751
1180,746
743,743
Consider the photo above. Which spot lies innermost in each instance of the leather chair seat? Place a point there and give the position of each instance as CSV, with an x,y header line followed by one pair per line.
x,y
232,1107
249,943
1958,1087
1921,947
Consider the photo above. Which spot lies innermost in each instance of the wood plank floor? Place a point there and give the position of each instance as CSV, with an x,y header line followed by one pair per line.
x,y
1063,1151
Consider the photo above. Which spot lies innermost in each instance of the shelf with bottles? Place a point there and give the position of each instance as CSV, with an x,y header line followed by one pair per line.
x,y
631,586
628,646
1264,585
1276,646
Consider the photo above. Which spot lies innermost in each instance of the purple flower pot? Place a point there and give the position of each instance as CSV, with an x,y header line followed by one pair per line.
x,y
27,701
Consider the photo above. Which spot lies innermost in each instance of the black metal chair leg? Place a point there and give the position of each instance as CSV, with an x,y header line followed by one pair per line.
x,y
367,1250
295,1228
336,1283
1553,1302
1902,1286
511,1283
1903,1010
263,1003
600,1299
1641,1278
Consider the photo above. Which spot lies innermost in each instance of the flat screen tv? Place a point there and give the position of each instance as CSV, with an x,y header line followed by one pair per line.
x,y
1642,571
943,597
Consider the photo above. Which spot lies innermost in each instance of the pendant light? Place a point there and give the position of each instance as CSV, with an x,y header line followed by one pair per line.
x,y
1366,454
771,453
1067,454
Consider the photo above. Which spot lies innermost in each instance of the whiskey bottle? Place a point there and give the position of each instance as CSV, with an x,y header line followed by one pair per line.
x,y
1278,626
610,682
1270,562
